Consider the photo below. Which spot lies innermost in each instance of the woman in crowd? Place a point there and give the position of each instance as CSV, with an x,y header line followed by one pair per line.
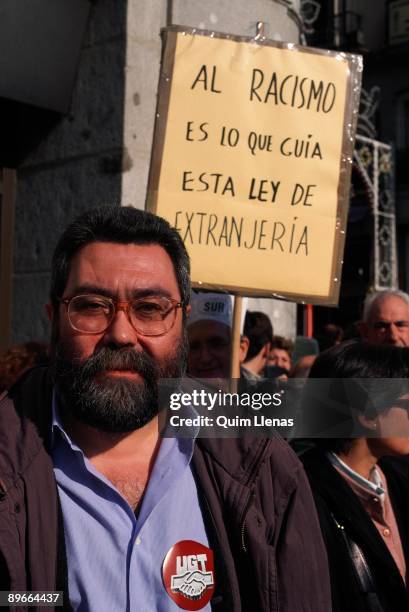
x,y
363,507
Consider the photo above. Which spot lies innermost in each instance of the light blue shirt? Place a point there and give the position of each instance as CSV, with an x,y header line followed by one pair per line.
x,y
115,559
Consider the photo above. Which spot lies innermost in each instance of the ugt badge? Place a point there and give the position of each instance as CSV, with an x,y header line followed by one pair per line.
x,y
188,574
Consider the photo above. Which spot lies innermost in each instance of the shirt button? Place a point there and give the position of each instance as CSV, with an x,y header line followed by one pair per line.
x,y
138,541
386,532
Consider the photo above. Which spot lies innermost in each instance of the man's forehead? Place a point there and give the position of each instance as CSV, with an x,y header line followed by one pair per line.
x,y
113,265
127,255
278,351
392,307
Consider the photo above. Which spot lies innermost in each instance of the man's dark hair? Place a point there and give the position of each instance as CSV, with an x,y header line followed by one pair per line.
x,y
329,336
285,344
360,366
259,331
122,225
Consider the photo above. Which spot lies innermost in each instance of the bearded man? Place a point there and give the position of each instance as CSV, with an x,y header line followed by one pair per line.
x,y
93,502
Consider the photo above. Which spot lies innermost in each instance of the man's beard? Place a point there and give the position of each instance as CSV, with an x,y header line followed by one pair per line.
x,y
114,404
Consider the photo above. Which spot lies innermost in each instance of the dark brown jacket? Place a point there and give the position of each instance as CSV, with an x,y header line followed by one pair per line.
x,y
257,506
338,506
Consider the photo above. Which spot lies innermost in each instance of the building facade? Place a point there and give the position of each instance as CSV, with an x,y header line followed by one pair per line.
x,y
98,151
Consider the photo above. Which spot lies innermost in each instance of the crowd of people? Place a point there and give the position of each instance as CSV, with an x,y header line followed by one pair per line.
x,y
95,504
385,320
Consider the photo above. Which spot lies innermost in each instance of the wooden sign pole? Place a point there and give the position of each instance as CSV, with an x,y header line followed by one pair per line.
x,y
235,339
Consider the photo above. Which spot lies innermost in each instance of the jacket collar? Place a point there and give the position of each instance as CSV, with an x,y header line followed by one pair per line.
x,y
32,397
239,457
24,418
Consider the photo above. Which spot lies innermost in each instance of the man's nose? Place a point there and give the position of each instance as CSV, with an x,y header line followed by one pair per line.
x,y
206,354
120,331
394,335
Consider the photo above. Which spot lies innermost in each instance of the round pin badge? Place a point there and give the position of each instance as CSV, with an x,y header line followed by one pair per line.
x,y
188,574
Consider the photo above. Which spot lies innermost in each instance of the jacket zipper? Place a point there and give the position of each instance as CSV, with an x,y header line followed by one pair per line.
x,y
251,495
243,524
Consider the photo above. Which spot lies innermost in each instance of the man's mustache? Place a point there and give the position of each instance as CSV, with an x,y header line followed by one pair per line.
x,y
106,359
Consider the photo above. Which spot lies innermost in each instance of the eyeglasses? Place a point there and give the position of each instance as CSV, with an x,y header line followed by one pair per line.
x,y
149,316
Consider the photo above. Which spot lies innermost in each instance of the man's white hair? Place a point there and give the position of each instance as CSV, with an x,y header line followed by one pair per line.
x,y
379,296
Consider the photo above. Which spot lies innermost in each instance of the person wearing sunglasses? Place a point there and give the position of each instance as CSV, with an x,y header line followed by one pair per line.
x,y
355,409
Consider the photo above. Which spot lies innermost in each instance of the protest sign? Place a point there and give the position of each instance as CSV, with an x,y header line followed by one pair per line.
x,y
251,161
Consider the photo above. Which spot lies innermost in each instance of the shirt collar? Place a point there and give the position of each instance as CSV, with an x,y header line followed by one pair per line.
x,y
185,443
249,375
373,486
56,423
173,458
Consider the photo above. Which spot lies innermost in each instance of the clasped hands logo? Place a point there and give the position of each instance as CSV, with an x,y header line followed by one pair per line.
x,y
188,574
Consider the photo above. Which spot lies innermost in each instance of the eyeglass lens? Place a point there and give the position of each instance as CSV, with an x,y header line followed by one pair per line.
x,y
150,316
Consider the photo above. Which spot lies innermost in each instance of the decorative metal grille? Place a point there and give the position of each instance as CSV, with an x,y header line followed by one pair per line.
x,y
304,13
374,162
367,112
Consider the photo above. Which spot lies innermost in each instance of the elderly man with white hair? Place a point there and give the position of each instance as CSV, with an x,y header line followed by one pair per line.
x,y
386,318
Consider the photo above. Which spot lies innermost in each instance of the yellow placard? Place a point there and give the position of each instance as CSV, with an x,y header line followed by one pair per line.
x,y
251,165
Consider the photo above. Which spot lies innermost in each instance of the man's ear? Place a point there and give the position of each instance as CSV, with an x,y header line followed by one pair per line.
x,y
50,312
367,423
266,350
244,347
